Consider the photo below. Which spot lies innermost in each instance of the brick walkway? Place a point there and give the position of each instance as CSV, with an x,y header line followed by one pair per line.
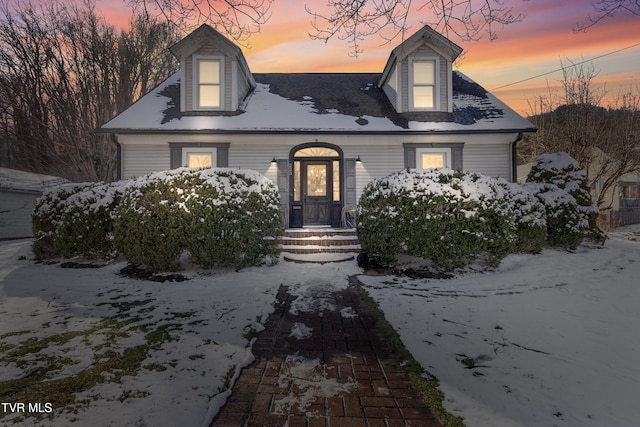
x,y
339,373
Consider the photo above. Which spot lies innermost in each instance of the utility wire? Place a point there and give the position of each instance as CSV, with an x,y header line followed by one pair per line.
x,y
560,69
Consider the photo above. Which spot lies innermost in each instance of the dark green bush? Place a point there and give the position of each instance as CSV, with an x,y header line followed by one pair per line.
x,y
561,186
451,218
52,216
234,218
222,217
87,229
150,225
529,216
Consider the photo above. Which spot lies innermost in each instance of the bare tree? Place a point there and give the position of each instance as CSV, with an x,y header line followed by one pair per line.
x,y
236,18
605,9
355,20
604,141
63,72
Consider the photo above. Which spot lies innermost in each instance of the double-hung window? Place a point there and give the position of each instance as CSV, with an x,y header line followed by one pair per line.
x,y
208,83
423,81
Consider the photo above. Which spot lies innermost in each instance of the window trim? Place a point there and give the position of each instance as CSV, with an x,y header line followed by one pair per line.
x,y
445,151
436,83
411,152
221,152
208,150
196,81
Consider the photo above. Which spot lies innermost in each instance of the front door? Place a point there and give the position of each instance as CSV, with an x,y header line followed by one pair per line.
x,y
317,191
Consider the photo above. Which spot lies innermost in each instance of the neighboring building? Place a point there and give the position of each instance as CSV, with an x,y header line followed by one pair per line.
x,y
320,137
18,193
620,203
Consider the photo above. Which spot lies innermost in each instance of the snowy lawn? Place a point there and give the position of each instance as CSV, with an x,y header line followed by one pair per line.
x,y
541,341
88,347
546,340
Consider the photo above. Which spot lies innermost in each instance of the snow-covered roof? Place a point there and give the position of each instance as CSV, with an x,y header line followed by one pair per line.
x,y
334,102
27,182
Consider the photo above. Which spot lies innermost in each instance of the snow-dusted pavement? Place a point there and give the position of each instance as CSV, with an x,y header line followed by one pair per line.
x,y
544,340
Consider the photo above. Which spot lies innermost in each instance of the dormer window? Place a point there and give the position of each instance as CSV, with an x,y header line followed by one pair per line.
x,y
424,84
208,83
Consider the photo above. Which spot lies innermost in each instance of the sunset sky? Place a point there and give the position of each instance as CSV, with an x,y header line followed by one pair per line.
x,y
523,50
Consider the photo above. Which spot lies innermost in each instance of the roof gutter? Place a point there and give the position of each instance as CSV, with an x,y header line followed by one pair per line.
x,y
520,131
514,158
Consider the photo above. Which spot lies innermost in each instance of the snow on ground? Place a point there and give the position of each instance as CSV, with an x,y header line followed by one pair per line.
x,y
196,334
545,340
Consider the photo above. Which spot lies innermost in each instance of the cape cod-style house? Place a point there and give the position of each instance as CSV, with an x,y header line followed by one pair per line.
x,y
320,136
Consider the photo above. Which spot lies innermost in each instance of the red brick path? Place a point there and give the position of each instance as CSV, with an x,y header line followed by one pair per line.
x,y
364,384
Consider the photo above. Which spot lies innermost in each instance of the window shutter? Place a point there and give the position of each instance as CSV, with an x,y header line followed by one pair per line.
x,y
409,156
223,156
350,181
456,157
176,156
283,187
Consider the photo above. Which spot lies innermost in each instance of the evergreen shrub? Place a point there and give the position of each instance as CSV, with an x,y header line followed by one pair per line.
x,y
529,216
76,220
222,217
234,218
150,226
449,217
561,186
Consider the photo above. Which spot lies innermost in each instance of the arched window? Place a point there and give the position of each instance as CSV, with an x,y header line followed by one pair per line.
x,y
316,152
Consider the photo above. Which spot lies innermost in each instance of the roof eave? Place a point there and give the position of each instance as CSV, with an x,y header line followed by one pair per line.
x,y
312,131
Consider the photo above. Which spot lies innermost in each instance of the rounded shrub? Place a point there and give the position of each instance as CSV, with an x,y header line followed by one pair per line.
x,y
566,223
76,220
529,216
234,218
451,218
150,226
88,225
223,217
564,192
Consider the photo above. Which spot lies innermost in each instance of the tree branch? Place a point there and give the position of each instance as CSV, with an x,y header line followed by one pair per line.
x,y
605,9
238,19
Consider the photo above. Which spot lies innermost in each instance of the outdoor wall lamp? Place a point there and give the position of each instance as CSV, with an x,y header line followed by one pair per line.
x,y
274,160
358,159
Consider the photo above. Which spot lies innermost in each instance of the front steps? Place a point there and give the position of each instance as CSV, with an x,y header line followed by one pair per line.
x,y
320,245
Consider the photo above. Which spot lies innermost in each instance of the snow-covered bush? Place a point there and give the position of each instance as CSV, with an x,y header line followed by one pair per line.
x,y
48,213
234,218
451,218
223,217
561,186
76,220
529,216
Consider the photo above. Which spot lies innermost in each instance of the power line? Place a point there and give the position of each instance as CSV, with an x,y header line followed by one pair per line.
x,y
560,69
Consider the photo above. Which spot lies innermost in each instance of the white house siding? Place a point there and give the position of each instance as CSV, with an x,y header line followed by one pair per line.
x,y
141,159
492,159
486,154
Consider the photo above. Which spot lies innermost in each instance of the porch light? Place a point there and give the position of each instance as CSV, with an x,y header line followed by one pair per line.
x,y
274,160
358,159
